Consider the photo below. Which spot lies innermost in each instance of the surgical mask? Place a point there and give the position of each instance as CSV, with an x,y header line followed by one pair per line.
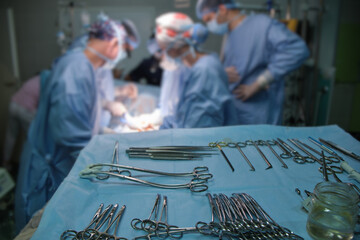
x,y
219,28
122,54
171,64
109,63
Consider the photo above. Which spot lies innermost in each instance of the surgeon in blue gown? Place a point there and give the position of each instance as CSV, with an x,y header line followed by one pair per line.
x,y
259,51
204,98
67,117
108,93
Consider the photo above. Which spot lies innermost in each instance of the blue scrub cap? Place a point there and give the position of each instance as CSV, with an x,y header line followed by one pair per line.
x,y
207,6
133,36
103,29
199,34
79,42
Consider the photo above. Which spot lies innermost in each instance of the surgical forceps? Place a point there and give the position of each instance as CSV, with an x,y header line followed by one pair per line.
x,y
170,152
285,154
341,149
219,145
238,146
197,184
329,159
297,157
297,144
250,142
326,148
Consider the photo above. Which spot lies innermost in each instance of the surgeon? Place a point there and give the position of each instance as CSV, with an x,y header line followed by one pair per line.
x,y
112,97
170,82
67,116
204,98
259,51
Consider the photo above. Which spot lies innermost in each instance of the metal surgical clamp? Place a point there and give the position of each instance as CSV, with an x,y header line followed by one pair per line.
x,y
269,143
218,145
238,146
297,144
330,159
296,155
197,183
286,154
261,153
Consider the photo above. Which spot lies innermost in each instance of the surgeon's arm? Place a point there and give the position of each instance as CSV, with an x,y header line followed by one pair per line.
x,y
71,120
287,50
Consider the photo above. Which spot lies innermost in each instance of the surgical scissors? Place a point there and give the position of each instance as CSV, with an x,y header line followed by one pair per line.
x,y
297,157
238,146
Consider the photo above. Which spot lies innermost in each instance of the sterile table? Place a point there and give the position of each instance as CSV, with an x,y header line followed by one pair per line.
x,y
76,200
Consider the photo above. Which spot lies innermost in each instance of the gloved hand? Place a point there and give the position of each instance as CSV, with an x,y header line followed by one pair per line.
x,y
137,123
116,109
154,118
232,74
127,91
244,92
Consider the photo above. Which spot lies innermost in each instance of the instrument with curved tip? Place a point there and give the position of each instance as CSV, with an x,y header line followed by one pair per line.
x,y
219,145
268,144
238,146
196,184
261,153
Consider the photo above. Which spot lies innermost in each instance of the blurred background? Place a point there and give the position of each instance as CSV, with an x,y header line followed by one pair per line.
x,y
326,90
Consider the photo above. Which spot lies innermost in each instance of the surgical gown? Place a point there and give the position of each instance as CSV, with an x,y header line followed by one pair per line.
x,y
66,120
260,43
204,97
105,82
169,91
104,79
